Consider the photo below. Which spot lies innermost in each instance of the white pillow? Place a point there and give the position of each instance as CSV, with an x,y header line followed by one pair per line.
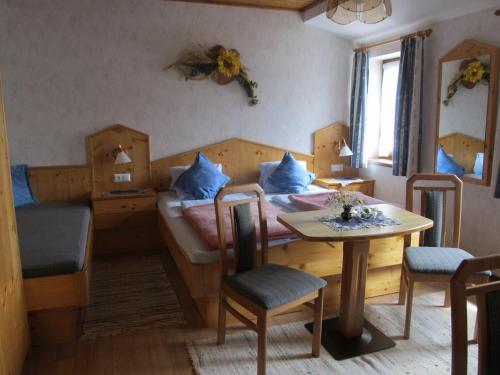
x,y
266,169
177,170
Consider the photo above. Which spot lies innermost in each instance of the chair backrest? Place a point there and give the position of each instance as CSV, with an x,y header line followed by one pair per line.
x,y
240,215
433,205
488,310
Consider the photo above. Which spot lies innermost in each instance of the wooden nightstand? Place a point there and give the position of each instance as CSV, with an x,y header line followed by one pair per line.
x,y
125,221
366,187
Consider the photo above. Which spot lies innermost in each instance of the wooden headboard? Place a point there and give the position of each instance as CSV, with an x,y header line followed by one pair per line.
x,y
239,158
326,151
61,183
463,148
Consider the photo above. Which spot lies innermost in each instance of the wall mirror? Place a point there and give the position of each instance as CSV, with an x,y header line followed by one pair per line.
x,y
466,111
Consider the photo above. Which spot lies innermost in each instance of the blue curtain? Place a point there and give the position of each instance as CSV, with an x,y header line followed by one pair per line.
x,y
357,118
408,119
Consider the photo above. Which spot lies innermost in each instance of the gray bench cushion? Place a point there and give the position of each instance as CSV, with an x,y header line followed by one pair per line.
x,y
273,285
52,238
436,260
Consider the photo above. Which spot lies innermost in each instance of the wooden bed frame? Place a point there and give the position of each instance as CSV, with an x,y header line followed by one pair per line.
x,y
55,303
240,159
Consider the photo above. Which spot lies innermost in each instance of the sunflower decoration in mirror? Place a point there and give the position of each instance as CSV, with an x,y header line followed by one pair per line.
x,y
471,72
221,64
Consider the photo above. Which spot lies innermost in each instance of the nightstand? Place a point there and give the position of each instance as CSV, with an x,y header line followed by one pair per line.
x,y
366,187
125,222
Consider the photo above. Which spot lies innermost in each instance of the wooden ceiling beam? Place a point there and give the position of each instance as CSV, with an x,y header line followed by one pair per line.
x,y
293,5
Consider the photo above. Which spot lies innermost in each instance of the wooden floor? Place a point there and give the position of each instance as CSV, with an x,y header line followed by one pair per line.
x,y
160,351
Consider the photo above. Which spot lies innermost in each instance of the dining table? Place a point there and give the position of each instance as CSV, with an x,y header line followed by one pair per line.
x,y
350,334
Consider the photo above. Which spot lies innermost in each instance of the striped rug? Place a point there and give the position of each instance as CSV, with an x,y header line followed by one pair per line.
x,y
428,351
129,294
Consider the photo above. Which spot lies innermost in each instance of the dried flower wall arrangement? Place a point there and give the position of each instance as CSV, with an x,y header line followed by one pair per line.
x,y
221,64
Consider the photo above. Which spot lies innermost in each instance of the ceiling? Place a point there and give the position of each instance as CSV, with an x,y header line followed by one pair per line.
x,y
407,16
270,4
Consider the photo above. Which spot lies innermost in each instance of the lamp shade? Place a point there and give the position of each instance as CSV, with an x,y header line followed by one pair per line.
x,y
121,156
344,149
345,12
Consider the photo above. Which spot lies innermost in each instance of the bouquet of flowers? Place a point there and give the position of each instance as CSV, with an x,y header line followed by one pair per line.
x,y
340,199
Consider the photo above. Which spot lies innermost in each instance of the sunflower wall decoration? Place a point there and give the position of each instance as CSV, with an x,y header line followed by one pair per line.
x,y
221,64
470,73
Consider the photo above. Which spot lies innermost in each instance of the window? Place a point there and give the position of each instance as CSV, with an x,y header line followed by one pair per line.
x,y
382,91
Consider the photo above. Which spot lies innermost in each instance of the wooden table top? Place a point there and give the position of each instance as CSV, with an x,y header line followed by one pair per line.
x,y
308,227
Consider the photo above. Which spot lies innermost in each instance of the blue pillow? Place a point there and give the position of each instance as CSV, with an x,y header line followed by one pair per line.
x,y
202,180
21,188
478,164
290,177
446,164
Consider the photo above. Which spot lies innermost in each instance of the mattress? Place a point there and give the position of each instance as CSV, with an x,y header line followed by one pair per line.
x,y
52,238
170,207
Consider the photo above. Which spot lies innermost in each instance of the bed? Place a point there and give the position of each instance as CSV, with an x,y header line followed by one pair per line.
x,y
200,268
56,247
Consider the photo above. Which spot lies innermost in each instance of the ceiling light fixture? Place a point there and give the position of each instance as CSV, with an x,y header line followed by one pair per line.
x,y
345,12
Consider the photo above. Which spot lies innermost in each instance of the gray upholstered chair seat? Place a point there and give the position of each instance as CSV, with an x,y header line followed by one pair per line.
x,y
272,285
436,260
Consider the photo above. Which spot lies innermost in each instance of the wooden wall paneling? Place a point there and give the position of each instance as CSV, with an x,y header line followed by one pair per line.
x,y
326,151
61,183
101,158
239,158
463,148
14,336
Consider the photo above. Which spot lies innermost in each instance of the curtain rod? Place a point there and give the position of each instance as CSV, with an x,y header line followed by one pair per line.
x,y
422,33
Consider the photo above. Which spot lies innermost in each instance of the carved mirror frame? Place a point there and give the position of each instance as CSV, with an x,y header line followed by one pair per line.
x,y
466,50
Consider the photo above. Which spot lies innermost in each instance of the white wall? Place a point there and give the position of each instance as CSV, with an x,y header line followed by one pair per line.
x,y
72,67
481,212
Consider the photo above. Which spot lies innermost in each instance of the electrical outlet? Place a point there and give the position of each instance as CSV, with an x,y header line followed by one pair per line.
x,y
336,167
122,177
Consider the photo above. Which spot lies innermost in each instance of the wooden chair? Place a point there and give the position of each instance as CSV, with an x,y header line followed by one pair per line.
x,y
488,313
261,288
431,262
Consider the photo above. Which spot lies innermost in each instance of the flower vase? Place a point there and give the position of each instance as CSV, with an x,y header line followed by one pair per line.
x,y
346,214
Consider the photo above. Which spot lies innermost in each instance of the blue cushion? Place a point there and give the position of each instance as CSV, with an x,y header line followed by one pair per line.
x,y
478,164
290,176
266,170
446,164
202,180
21,188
